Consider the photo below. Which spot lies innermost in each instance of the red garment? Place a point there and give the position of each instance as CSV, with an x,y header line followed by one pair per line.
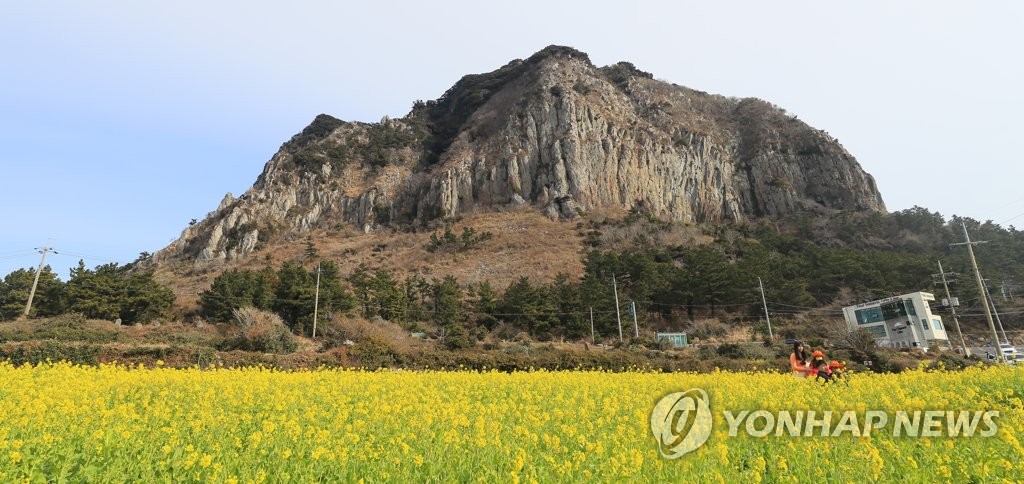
x,y
819,366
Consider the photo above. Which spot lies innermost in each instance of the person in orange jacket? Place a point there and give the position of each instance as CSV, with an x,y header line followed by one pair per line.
x,y
819,367
798,360
838,370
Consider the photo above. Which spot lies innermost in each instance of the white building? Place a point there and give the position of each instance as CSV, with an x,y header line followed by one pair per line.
x,y
904,321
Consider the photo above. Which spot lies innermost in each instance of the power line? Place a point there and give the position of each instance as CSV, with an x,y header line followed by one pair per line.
x,y
18,252
89,257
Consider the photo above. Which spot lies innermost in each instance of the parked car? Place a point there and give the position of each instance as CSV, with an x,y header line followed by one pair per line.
x,y
1010,353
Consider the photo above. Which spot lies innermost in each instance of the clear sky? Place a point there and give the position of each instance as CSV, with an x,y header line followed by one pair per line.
x,y
120,121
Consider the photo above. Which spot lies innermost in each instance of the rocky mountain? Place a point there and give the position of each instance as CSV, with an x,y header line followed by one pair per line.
x,y
554,132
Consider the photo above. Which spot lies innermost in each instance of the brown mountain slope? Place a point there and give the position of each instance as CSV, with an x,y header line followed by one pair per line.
x,y
523,243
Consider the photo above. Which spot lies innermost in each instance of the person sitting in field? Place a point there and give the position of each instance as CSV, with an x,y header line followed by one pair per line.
x,y
819,368
838,369
798,360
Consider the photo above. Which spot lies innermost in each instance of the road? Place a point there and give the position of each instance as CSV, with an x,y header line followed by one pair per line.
x,y
980,352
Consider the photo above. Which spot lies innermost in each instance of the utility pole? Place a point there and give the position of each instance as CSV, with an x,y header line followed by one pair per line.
x,y
764,301
952,309
592,339
981,289
35,282
632,308
316,299
618,319
995,312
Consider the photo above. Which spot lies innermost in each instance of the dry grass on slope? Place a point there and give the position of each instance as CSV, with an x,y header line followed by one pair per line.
x,y
523,243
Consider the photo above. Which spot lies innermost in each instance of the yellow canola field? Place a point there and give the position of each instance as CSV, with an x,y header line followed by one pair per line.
x,y
60,422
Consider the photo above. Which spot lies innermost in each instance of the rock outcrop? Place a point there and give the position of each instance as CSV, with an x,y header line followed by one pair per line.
x,y
553,131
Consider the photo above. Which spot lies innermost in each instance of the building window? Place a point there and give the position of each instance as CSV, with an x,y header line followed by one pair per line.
x,y
937,323
909,306
869,315
924,324
894,310
878,330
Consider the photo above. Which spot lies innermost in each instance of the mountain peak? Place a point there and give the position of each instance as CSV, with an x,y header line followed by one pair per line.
x,y
552,131
559,51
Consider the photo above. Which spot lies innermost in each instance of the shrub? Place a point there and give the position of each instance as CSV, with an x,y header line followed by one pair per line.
x,y
341,328
730,350
68,327
36,352
950,361
707,328
261,331
449,242
375,352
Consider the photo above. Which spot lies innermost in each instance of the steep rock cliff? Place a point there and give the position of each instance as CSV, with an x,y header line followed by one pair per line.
x,y
553,131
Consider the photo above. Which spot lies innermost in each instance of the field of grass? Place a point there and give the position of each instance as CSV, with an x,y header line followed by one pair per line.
x,y
60,422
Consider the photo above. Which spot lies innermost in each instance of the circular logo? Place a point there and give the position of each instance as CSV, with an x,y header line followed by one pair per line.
x,y
681,422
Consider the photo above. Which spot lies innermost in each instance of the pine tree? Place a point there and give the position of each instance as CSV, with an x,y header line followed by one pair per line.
x,y
448,313
15,289
111,292
293,299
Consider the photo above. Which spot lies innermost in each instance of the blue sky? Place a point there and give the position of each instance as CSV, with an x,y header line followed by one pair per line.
x,y
120,121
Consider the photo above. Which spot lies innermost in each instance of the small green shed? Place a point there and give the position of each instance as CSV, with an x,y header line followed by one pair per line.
x,y
678,340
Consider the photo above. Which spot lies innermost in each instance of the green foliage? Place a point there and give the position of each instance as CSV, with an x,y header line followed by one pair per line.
x,y
389,299
417,290
382,213
37,352
237,288
379,294
111,292
311,252
383,139
951,361
362,285
375,352
449,313
730,350
310,150
448,241
571,322
321,126
333,296
66,327
619,74
293,297
532,308
804,263
484,306
49,299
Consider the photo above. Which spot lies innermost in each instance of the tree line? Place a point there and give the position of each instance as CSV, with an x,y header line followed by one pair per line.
x,y
108,291
804,264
